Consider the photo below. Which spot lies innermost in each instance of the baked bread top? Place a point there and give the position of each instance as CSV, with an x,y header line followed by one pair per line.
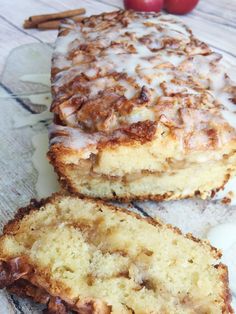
x,y
126,77
91,257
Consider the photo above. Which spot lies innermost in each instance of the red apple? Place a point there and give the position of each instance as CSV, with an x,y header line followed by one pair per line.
x,y
144,5
180,6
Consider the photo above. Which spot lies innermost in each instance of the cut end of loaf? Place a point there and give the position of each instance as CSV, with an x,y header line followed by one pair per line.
x,y
140,106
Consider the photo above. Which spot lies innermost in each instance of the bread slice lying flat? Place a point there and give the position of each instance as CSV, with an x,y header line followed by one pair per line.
x,y
89,257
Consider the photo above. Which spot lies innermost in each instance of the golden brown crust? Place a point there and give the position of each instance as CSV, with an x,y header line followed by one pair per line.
x,y
23,288
11,226
13,270
227,308
142,131
55,305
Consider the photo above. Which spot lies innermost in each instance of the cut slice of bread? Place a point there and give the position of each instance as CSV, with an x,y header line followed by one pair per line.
x,y
89,257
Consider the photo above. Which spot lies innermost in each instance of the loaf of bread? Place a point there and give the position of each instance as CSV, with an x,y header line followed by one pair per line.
x,y
89,257
143,110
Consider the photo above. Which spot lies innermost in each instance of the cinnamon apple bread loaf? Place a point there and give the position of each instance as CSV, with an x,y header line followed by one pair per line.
x,y
143,109
90,257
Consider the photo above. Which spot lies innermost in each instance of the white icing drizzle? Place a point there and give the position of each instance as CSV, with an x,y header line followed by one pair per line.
x,y
223,236
41,99
63,42
43,79
47,182
132,62
171,27
130,91
229,112
144,65
32,119
140,114
84,143
61,63
117,58
167,21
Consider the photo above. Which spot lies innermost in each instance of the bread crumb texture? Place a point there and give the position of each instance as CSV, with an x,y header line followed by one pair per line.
x,y
81,250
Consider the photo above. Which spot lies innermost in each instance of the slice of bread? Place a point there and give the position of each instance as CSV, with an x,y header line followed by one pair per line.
x,y
89,257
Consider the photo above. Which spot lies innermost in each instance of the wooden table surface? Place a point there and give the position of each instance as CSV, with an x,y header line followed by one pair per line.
x,y
212,21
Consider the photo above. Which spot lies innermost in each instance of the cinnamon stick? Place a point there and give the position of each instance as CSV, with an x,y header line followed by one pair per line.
x,y
34,20
55,23
49,25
